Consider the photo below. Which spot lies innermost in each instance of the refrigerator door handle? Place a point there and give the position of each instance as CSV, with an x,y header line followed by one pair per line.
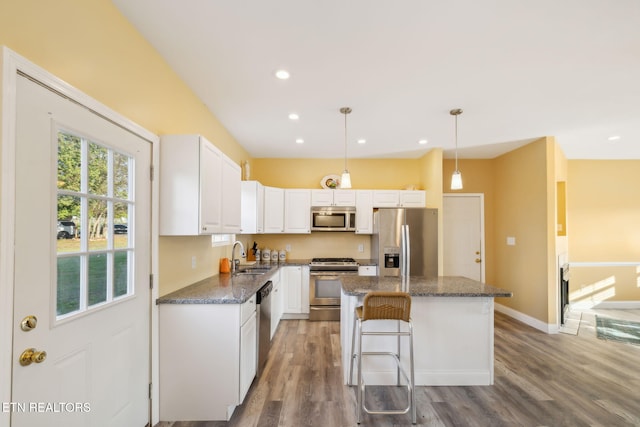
x,y
406,251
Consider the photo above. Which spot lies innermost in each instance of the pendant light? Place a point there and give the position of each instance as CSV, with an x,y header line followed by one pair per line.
x,y
345,180
456,178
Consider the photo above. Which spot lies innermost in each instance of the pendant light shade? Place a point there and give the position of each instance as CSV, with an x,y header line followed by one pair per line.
x,y
345,180
456,178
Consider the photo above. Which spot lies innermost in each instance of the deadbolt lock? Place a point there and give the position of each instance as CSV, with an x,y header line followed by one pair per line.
x,y
28,323
31,355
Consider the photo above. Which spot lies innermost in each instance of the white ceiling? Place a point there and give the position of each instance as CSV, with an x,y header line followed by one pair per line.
x,y
520,69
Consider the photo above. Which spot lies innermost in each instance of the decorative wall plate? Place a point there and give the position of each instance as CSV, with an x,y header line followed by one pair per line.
x,y
330,182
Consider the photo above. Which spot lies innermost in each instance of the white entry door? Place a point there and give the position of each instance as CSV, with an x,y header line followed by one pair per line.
x,y
82,267
463,235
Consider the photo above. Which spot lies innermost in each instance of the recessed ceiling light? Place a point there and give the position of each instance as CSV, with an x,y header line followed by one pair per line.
x,y
614,138
299,141
283,74
362,141
294,116
423,142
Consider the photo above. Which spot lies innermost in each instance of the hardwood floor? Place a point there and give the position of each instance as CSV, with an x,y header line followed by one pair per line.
x,y
540,380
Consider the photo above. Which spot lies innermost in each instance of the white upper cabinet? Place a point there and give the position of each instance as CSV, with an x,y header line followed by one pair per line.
x,y
333,197
252,215
273,210
399,198
231,196
297,211
413,198
364,211
190,186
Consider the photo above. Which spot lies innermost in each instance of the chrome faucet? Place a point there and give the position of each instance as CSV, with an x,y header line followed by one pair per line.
x,y
235,261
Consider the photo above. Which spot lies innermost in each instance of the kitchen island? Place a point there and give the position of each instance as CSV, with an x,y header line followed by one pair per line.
x,y
453,329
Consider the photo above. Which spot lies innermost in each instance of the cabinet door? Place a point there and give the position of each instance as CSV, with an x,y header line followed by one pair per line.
x,y
413,199
364,212
248,355
297,211
210,188
252,207
292,286
273,210
386,198
344,197
231,195
321,197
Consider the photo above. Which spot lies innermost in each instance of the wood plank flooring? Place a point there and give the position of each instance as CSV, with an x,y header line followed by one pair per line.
x,y
540,380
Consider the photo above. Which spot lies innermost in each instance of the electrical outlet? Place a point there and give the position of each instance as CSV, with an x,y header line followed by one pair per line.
x,y
511,241
193,262
287,248
360,247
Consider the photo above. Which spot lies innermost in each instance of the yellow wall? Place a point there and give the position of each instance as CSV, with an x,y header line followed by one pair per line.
x,y
603,208
521,212
365,173
90,45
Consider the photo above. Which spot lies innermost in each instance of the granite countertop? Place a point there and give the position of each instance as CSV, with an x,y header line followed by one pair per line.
x,y
443,286
226,288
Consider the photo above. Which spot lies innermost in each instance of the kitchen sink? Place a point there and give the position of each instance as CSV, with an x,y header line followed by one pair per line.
x,y
252,271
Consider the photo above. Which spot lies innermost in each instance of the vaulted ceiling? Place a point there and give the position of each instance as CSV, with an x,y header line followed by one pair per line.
x,y
520,70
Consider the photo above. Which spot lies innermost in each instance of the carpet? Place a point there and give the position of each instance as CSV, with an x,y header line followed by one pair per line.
x,y
618,330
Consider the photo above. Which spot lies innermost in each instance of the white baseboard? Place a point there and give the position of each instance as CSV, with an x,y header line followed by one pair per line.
x,y
526,319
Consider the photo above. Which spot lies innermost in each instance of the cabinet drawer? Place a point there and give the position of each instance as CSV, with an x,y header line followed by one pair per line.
x,y
367,270
247,309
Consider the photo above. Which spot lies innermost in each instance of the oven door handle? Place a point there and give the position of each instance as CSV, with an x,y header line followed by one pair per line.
x,y
333,273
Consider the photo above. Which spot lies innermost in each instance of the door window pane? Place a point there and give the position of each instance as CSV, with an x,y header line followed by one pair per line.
x,y
120,273
68,298
98,163
69,161
97,278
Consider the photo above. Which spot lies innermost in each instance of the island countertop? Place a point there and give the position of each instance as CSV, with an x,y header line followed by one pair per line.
x,y
418,286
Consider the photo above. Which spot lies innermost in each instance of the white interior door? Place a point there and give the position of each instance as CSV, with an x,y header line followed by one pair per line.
x,y
463,233
89,293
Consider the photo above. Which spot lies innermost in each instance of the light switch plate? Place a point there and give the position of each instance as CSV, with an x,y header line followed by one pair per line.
x,y
511,241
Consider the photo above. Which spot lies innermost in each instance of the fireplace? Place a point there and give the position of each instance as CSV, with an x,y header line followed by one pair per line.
x,y
564,292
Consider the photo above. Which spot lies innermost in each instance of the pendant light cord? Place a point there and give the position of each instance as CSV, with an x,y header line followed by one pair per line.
x,y
345,111
456,112
456,133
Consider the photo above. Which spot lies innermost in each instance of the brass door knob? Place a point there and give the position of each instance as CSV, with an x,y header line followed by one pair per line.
x,y
478,260
31,355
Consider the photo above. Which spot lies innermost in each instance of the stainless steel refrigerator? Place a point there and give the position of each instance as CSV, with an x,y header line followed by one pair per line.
x,y
405,241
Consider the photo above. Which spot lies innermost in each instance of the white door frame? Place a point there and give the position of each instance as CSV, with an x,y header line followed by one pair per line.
x,y
12,64
482,230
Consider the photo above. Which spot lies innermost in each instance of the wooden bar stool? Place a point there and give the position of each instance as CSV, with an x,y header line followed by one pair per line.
x,y
379,305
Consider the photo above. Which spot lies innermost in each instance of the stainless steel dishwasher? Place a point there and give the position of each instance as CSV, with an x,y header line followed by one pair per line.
x,y
263,311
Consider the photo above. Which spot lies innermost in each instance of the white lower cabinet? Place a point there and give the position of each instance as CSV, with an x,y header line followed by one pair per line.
x,y
208,356
295,281
248,354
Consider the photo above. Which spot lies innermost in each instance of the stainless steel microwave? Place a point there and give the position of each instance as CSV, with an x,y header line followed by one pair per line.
x,y
333,218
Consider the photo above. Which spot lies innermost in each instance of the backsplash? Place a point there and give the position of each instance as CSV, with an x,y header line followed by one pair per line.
x,y
317,244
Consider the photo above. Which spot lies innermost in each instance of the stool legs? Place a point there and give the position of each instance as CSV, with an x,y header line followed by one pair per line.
x,y
360,392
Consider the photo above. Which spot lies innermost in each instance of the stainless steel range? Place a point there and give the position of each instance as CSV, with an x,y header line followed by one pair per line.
x,y
325,286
